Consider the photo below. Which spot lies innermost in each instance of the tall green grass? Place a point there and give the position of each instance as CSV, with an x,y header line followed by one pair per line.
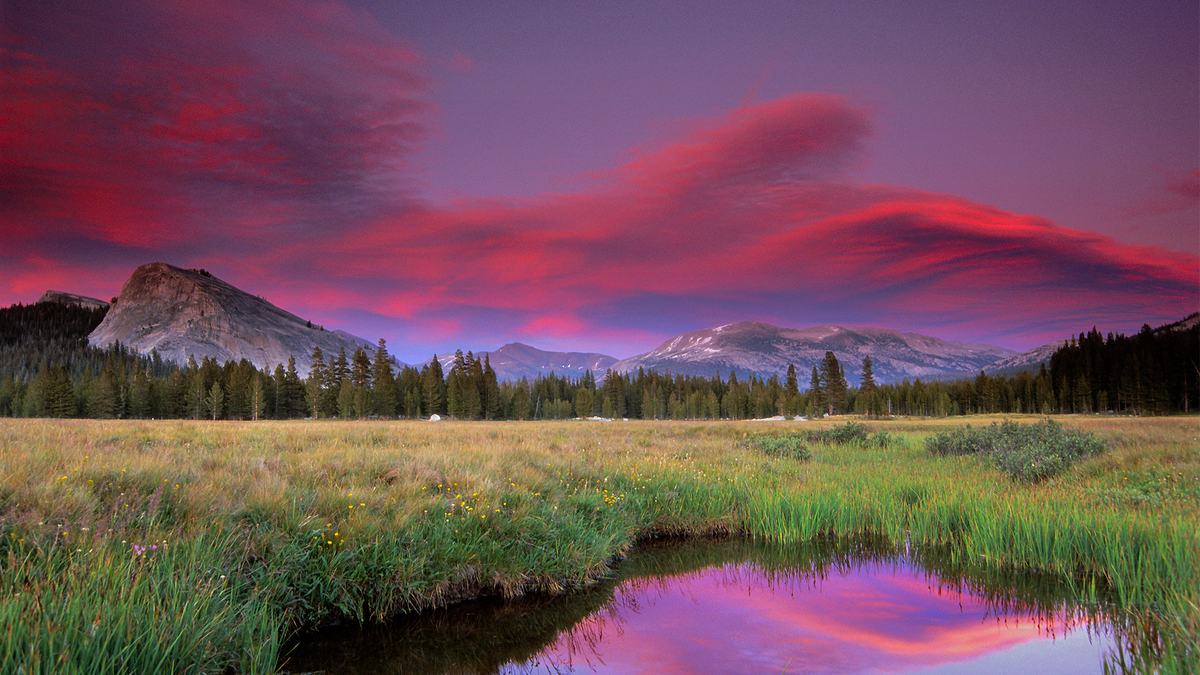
x,y
264,528
121,607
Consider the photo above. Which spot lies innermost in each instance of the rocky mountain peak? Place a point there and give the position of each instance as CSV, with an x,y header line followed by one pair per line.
x,y
185,313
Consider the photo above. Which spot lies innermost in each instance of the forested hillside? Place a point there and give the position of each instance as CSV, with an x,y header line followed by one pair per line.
x,y
47,370
46,332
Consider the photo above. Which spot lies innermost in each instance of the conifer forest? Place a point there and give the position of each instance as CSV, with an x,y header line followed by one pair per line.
x,y
47,369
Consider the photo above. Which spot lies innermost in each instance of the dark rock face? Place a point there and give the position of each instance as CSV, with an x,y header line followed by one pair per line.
x,y
765,350
190,313
72,299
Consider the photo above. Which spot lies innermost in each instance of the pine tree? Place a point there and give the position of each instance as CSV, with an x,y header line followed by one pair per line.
x,y
8,394
833,383
58,394
473,391
317,377
345,399
384,383
433,386
491,391
289,391
139,395
583,402
522,406
816,396
194,398
108,394
868,376
257,397
337,372
455,385
791,392
278,405
360,369
237,389
409,386
216,400
868,391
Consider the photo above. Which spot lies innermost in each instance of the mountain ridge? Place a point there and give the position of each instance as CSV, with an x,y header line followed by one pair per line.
x,y
182,313
750,347
515,360
64,298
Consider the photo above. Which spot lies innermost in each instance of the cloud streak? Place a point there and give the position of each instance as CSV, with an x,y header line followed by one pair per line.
x,y
754,215
279,146
252,124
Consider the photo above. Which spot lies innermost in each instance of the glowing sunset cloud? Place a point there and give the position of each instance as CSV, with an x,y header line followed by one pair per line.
x,y
313,153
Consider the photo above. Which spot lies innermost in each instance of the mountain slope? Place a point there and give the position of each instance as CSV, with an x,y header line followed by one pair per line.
x,y
750,347
1031,360
184,313
516,360
73,299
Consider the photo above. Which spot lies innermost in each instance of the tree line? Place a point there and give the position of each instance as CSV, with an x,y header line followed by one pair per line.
x,y
48,370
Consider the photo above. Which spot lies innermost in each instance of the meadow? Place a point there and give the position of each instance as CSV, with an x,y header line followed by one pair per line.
x,y
200,547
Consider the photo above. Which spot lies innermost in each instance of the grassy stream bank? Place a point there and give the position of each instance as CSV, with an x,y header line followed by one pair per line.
x,y
199,547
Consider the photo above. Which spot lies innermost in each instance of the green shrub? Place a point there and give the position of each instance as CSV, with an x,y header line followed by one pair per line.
x,y
792,447
795,446
962,441
1028,452
853,433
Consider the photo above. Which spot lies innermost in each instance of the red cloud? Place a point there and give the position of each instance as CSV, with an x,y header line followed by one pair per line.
x,y
1186,185
732,221
280,136
225,120
796,138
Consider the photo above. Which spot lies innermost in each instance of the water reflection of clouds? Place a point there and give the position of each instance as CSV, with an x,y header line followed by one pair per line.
x,y
737,619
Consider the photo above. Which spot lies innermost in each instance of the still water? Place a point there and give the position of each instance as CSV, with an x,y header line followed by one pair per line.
x,y
735,607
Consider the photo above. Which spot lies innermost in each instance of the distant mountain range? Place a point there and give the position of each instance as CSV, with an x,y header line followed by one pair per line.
x,y
765,350
515,360
185,313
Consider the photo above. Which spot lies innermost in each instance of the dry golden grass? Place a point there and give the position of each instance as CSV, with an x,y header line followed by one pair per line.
x,y
367,518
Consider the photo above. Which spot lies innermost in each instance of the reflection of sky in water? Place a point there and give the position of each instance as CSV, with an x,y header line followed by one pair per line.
x,y
877,619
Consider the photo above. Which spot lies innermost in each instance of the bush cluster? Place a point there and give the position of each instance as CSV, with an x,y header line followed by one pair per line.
x,y
792,447
853,433
1028,452
795,446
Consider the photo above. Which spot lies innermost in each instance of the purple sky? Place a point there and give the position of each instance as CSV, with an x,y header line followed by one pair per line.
x,y
601,177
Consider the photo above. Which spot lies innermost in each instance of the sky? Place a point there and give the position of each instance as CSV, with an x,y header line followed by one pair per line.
x,y
601,177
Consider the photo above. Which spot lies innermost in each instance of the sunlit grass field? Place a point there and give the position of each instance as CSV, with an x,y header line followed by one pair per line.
x,y
187,546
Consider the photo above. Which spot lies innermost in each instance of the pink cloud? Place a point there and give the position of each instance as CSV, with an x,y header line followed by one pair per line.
x,y
224,121
1186,185
460,63
1180,192
275,145
765,234
757,147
